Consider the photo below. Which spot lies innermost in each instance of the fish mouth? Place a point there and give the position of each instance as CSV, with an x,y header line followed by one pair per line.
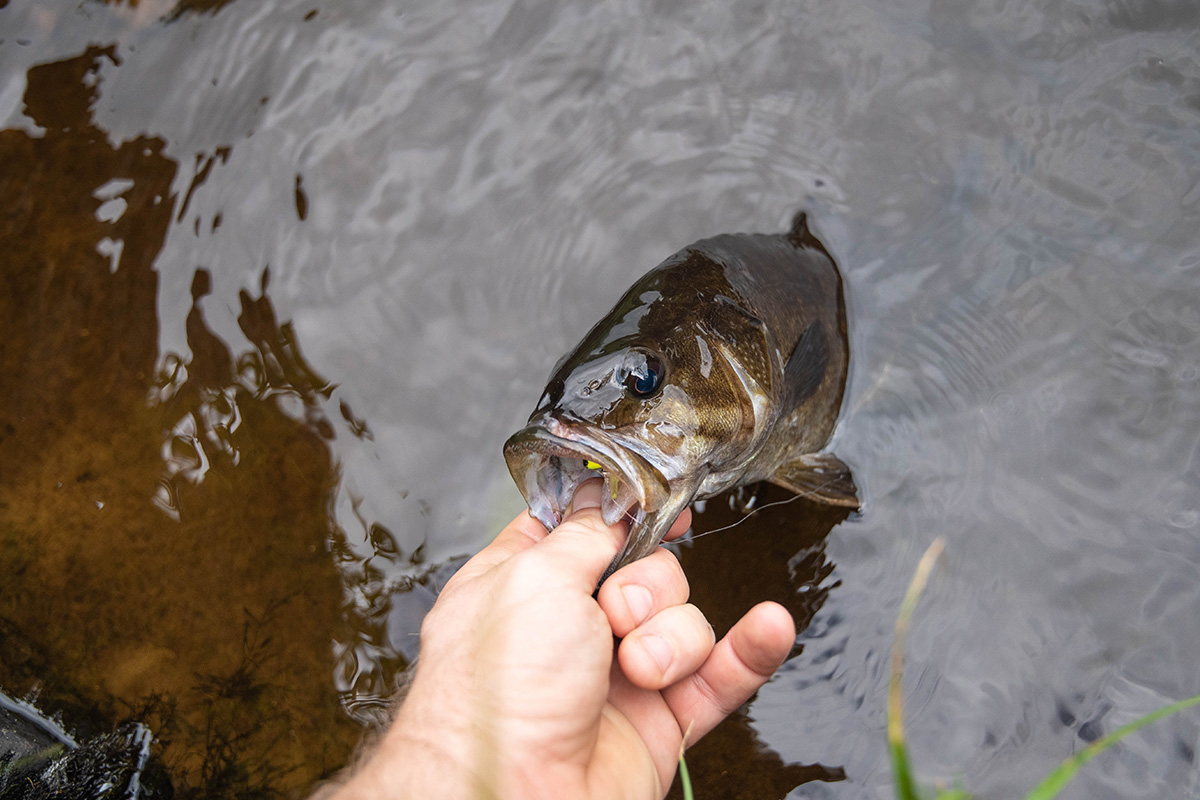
x,y
549,459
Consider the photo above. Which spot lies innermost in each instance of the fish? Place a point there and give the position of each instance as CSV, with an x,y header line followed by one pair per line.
x,y
723,366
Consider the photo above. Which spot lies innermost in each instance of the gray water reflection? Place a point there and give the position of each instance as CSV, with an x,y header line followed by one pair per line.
x,y
448,195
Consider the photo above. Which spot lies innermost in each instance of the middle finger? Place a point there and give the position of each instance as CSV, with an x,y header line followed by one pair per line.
x,y
670,645
635,593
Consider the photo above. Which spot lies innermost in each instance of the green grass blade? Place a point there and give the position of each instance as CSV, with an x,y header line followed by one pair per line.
x,y
1053,783
901,771
901,775
953,794
685,780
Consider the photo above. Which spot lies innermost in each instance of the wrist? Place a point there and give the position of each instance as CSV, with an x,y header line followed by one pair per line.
x,y
406,764
443,741
429,751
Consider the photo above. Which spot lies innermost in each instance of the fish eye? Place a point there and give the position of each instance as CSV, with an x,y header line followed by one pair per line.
x,y
645,377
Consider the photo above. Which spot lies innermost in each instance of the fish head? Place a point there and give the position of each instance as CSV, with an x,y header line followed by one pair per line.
x,y
653,401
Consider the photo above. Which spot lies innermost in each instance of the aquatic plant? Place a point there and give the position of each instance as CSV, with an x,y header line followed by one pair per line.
x,y
902,777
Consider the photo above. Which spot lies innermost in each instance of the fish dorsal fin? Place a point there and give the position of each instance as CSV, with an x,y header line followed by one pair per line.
x,y
822,477
799,228
806,366
800,236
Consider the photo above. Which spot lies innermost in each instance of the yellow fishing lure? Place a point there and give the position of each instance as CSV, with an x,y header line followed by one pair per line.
x,y
613,481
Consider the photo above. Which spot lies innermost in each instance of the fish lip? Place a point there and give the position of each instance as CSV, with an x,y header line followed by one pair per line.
x,y
530,452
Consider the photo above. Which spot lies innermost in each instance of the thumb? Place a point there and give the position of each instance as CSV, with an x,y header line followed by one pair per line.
x,y
582,545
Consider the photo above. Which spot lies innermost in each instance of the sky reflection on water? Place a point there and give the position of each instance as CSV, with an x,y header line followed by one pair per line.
x,y
378,229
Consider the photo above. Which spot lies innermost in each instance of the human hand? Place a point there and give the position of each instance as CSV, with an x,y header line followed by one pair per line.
x,y
517,691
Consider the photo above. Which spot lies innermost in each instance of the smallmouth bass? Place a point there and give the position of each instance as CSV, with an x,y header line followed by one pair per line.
x,y
723,366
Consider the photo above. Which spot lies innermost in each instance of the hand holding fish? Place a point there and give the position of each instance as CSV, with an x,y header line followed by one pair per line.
x,y
520,693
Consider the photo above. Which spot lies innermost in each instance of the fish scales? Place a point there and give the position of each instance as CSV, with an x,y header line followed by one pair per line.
x,y
722,366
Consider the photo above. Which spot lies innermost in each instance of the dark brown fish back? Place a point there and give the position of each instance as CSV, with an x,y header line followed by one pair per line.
x,y
791,283
785,286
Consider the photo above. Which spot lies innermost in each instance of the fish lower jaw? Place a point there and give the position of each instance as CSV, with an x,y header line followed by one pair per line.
x,y
618,498
614,507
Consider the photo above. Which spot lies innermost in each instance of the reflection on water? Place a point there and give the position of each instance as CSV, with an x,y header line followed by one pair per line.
x,y
201,623
776,553
206,606
279,279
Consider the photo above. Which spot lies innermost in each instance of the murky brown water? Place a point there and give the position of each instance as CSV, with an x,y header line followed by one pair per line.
x,y
280,278
210,623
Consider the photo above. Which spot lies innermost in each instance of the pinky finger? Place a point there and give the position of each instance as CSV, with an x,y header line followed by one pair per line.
x,y
736,668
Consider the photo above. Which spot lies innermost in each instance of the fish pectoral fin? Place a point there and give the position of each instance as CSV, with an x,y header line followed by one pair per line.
x,y
822,477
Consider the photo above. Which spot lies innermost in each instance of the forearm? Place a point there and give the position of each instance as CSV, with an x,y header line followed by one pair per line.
x,y
417,757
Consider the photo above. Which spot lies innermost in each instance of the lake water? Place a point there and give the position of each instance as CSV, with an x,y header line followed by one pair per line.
x,y
280,278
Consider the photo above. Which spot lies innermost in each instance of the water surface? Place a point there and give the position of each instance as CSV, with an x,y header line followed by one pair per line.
x,y
280,278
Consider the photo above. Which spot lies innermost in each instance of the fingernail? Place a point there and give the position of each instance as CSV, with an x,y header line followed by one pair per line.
x,y
638,598
659,650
